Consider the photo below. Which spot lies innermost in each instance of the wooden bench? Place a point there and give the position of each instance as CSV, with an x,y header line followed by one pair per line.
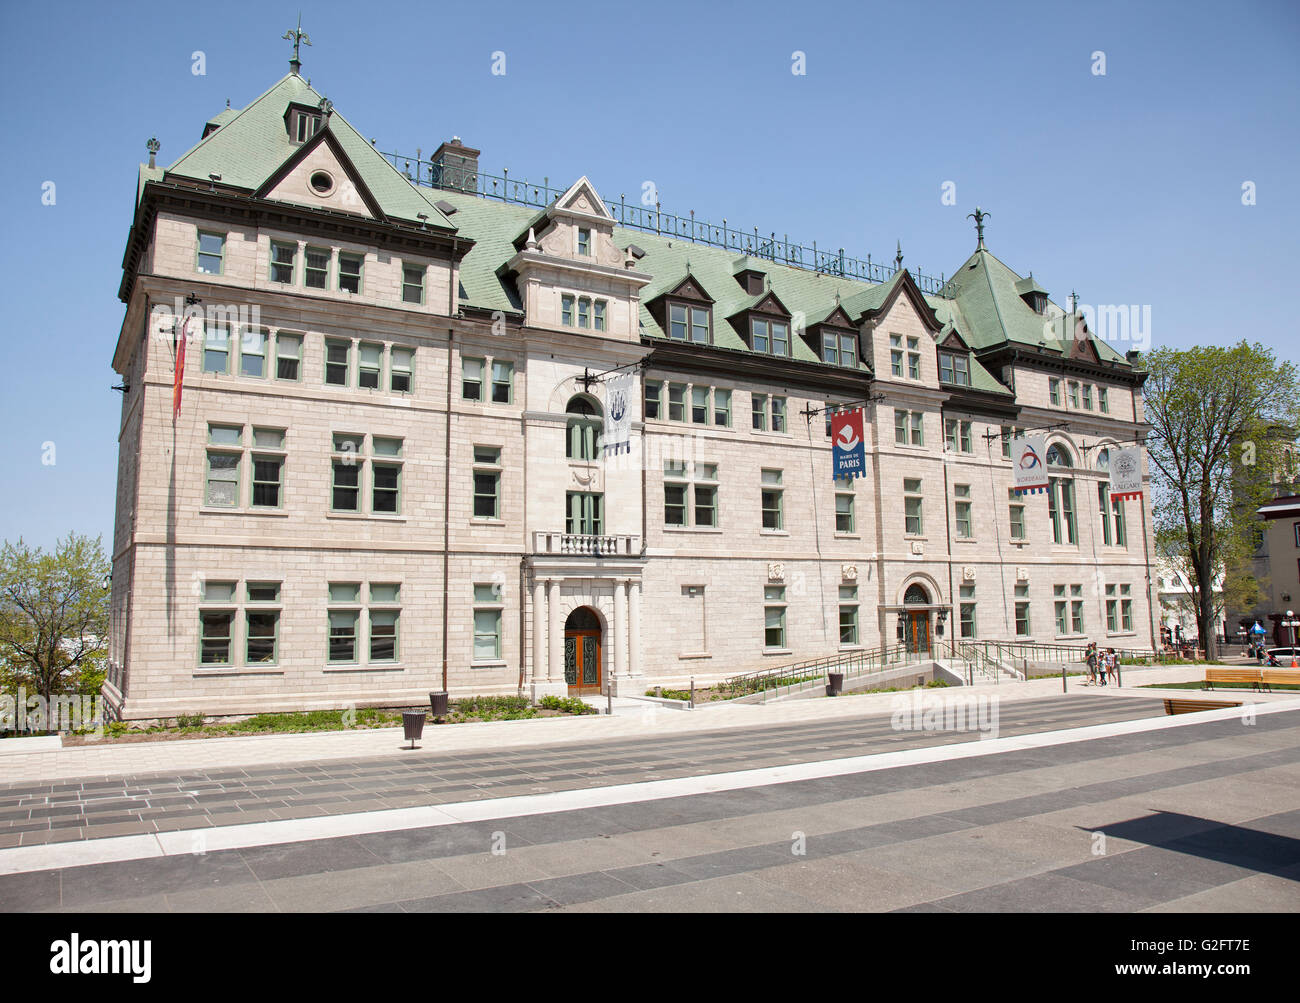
x,y
1233,677
1284,677
1180,706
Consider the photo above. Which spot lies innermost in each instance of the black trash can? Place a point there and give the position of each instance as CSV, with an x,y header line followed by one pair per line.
x,y
836,684
413,724
438,704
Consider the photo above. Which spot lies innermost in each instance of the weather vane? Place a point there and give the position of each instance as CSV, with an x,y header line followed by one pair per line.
x,y
979,216
297,36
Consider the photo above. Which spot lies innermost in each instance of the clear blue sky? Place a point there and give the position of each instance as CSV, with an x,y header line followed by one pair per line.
x,y
1126,186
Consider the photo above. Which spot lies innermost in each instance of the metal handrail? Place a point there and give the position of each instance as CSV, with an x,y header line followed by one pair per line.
x,y
652,219
796,676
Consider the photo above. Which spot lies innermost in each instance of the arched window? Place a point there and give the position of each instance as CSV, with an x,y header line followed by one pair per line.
x,y
916,596
584,428
1059,456
1103,460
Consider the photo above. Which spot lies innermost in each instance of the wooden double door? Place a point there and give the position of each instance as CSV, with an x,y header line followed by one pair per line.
x,y
583,668
916,629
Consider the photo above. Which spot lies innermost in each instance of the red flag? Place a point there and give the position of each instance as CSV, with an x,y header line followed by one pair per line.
x,y
180,368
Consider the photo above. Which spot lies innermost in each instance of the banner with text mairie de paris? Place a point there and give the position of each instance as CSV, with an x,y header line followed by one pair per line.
x,y
848,448
1029,464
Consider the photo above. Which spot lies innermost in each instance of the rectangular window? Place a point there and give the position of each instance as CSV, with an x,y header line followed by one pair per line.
x,y
1074,394
211,253
345,493
758,407
1017,508
1112,610
706,494
350,266
1076,608
584,241
503,382
1121,532
487,482
699,326
722,408
778,414
896,355
283,259
316,268
962,506
386,495
967,444
1022,611
288,356
338,358
1006,431
487,623
772,498
268,468
383,635
343,635
262,637
1054,391
918,429
401,364
700,405
966,611
653,398
1103,506
471,379
1062,610
848,615
584,312
774,616
758,335
900,428
913,523
780,338
950,433
412,284
676,486
585,516
677,322
913,358
1087,396
1102,400
216,348
1126,607
598,315
676,401
844,513
215,636
566,311
370,362
223,478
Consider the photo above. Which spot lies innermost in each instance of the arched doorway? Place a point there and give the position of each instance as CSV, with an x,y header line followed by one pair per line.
x,y
582,652
916,622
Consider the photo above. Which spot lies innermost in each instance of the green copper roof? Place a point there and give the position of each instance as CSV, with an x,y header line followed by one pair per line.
x,y
253,144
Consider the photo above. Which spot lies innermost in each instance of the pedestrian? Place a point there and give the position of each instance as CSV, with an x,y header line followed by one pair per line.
x,y
1111,665
1091,657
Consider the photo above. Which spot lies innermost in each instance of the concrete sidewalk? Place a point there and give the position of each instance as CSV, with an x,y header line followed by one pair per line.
x,y
273,750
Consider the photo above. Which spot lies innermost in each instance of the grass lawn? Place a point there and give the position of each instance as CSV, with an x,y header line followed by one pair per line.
x,y
1200,685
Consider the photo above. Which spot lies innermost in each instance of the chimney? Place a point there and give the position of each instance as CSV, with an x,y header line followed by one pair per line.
x,y
455,166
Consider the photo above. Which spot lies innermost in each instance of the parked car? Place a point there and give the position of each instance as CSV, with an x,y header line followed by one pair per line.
x,y
1282,656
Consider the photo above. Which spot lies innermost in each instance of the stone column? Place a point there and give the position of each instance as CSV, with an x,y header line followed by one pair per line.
x,y
619,638
555,663
540,670
634,667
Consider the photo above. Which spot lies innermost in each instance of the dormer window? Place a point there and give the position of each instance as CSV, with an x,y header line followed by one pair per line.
x,y
769,336
688,323
840,349
303,123
584,242
954,368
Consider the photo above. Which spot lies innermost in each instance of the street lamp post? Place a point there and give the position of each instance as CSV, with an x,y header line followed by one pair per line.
x,y
1290,622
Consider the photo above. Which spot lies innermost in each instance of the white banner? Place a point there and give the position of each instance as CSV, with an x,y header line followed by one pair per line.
x,y
1029,463
1126,473
618,413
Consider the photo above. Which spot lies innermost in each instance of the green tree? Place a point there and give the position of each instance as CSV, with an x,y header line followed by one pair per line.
x,y
1213,412
54,613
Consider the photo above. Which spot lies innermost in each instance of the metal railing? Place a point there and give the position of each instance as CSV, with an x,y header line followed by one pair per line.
x,y
653,219
978,661
797,676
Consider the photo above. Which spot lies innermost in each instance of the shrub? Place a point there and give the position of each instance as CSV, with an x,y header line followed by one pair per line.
x,y
189,721
566,705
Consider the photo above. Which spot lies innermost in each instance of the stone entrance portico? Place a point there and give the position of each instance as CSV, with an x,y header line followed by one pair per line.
x,y
603,573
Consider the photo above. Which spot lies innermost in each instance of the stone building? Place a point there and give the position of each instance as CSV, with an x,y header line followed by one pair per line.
x,y
387,473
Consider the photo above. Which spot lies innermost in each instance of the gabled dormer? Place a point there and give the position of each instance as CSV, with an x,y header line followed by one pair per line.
x,y
834,337
321,174
302,121
763,322
1034,295
955,363
752,278
685,312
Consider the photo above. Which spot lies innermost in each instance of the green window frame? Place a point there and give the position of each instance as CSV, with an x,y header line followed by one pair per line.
x,y
913,507
677,402
1024,628
216,636
1054,391
721,408
676,486
268,468
896,355
503,382
316,267
1087,396
584,312
918,428
487,482
1121,529
216,348
1112,610
1076,608
844,512
913,358
288,356
1062,610
370,365
848,615
900,428
1103,508
401,369
386,488
1126,606
261,636
962,511
224,470
966,612
210,253
774,616
566,311
284,262
413,284
699,325
1017,515
351,272
584,241
598,309
778,414
773,500
584,513
487,624
758,412
338,360
1103,401
341,647
471,378
654,391
385,633
699,405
